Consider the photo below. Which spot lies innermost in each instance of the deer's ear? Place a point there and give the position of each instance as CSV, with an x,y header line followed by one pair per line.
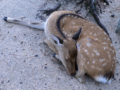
x,y
57,40
77,34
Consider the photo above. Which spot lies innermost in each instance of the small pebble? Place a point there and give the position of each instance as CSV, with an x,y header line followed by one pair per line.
x,y
21,42
20,82
45,67
24,61
110,1
58,78
24,34
8,80
112,15
36,55
2,82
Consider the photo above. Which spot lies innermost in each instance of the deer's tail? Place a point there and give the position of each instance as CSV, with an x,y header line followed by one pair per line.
x,y
36,25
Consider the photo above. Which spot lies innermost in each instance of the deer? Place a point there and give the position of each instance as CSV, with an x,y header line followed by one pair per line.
x,y
81,45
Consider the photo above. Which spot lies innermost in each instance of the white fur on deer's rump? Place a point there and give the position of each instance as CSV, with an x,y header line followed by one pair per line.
x,y
103,79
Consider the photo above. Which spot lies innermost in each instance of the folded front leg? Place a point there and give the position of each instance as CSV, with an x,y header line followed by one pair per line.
x,y
51,46
80,76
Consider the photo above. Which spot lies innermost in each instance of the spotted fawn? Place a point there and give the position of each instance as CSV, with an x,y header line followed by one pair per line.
x,y
78,42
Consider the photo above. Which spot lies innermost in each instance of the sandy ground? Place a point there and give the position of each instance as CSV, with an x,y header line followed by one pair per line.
x,y
25,62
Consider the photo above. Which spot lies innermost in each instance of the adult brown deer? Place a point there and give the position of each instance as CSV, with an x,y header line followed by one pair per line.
x,y
77,40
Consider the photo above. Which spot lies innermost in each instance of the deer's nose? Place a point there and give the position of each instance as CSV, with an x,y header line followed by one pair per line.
x,y
73,74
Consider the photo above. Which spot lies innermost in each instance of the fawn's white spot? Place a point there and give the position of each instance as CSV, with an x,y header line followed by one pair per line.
x,y
114,58
93,61
97,53
105,38
92,54
107,52
91,27
85,50
64,32
109,56
104,33
108,38
94,50
104,64
99,69
88,44
111,45
104,43
87,62
64,20
90,32
101,60
88,39
84,33
105,48
73,22
69,35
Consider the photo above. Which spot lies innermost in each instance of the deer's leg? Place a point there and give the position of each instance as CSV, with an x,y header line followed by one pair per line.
x,y
80,75
36,25
51,46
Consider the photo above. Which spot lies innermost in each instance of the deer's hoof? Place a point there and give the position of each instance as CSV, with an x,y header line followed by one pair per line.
x,y
5,18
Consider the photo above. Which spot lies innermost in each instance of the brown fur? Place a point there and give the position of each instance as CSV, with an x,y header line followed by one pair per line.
x,y
100,45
